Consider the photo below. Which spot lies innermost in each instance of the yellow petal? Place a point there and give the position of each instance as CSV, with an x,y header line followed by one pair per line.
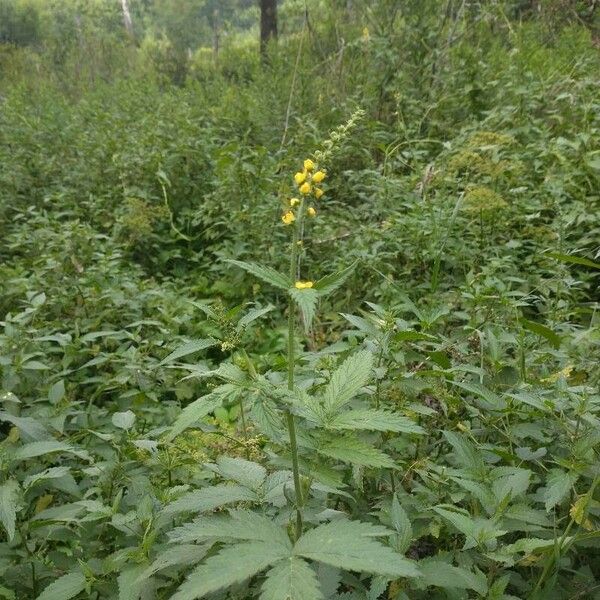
x,y
305,188
294,202
318,176
299,177
288,217
311,211
318,193
309,165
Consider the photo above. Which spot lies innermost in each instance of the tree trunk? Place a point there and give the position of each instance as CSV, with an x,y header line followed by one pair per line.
x,y
127,19
268,24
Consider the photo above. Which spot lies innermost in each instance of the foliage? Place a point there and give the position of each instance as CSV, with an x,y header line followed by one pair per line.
x,y
425,425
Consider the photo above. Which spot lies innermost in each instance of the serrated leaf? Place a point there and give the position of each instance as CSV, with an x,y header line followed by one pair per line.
x,y
64,588
374,420
350,545
578,512
252,315
188,348
35,449
31,429
291,579
573,259
401,523
331,282
9,502
267,274
476,529
466,453
192,413
183,554
232,565
558,485
240,525
132,584
246,473
209,498
353,450
542,331
306,299
347,380
441,574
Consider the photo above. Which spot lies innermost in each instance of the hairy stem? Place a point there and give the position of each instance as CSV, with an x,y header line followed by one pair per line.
x,y
291,426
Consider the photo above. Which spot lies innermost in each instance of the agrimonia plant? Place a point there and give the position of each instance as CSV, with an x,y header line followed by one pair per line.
x,y
304,427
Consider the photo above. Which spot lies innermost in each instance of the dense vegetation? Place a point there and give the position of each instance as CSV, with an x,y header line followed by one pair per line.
x,y
211,389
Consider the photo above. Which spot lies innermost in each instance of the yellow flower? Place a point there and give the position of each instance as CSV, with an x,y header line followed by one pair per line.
x,y
318,176
309,165
311,212
305,188
294,202
299,177
288,218
302,285
318,193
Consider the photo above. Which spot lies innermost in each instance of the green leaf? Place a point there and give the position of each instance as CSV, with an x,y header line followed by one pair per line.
x,y
466,453
306,299
331,282
31,429
576,260
252,315
558,485
6,593
374,420
491,400
476,529
347,380
182,554
246,473
232,565
350,545
355,451
64,588
35,449
209,498
192,413
291,579
401,524
123,420
267,274
441,574
239,525
542,331
188,348
9,503
133,585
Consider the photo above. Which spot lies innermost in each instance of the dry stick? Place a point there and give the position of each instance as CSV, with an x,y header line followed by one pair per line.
x,y
289,104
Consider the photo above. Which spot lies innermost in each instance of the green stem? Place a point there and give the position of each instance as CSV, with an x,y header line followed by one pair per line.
x,y
291,426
